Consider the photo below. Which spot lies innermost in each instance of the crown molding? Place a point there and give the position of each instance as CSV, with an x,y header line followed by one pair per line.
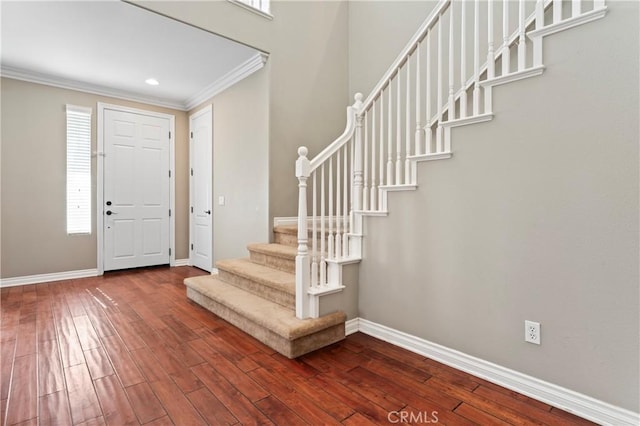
x,y
64,83
242,71
253,64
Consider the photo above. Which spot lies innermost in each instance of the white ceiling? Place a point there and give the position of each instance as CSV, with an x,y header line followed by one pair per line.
x,y
112,47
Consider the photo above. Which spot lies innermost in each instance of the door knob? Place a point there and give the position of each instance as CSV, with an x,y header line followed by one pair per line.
x,y
207,211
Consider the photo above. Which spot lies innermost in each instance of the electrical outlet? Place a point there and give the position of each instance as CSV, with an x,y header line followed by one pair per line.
x,y
532,332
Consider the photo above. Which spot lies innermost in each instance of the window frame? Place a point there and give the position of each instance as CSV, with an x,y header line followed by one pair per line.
x,y
259,7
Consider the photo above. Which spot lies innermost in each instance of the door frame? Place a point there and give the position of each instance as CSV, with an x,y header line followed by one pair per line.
x,y
100,177
205,110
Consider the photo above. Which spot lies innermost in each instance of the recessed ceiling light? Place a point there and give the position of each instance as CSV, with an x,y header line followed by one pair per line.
x,y
152,82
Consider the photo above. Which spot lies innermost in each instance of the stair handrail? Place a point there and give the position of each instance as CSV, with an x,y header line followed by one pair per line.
x,y
428,23
359,106
349,130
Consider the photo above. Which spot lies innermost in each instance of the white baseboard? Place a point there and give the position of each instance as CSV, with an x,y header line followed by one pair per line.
x,y
557,396
60,276
43,278
352,326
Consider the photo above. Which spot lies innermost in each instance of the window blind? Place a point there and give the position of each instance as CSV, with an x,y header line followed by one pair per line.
x,y
78,170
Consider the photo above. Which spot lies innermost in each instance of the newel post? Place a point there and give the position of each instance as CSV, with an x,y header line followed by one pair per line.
x,y
303,277
357,155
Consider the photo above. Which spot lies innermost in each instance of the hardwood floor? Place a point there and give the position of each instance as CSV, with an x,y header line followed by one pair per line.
x,y
128,348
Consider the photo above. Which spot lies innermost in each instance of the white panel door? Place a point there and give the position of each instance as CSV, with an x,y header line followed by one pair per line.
x,y
136,190
200,222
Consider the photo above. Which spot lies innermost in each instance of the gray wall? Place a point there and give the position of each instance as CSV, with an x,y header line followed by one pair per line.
x,y
34,237
535,217
240,165
308,80
378,31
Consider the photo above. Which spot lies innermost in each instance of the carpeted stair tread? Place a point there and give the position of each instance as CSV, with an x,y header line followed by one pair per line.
x,y
272,316
273,249
270,277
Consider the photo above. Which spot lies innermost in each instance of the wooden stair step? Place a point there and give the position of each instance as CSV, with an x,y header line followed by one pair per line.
x,y
276,256
271,323
272,284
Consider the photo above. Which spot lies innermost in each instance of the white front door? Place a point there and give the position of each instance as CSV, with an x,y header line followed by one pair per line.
x,y
200,219
136,197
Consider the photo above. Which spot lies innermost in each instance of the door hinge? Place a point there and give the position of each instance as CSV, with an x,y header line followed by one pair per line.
x,y
169,135
191,135
191,209
192,171
191,246
169,251
169,173
169,212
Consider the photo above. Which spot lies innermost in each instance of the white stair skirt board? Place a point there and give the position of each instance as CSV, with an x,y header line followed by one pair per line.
x,y
43,278
557,396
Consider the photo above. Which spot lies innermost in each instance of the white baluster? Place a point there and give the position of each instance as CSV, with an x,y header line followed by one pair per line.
x,y
398,132
303,169
439,104
345,205
452,100
557,11
323,236
330,237
491,59
463,60
356,158
351,189
506,52
314,236
407,111
537,42
476,58
522,46
389,137
576,8
381,150
418,139
365,188
429,132
374,187
338,236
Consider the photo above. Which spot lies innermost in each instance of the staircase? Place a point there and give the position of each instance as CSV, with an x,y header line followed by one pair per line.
x,y
257,295
443,79
292,295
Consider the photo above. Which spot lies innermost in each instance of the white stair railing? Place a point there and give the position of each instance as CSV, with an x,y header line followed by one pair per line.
x,y
407,118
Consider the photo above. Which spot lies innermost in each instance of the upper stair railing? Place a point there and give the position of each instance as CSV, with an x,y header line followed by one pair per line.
x,y
443,78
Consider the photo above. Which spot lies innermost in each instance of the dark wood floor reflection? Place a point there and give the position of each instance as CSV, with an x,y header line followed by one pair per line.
x,y
129,348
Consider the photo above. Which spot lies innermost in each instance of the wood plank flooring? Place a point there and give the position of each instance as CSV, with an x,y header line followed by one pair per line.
x,y
129,348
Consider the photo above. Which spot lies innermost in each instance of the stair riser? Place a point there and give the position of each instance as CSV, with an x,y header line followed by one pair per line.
x,y
285,239
288,348
277,296
280,263
291,240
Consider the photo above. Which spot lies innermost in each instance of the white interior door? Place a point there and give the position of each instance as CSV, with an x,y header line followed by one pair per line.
x,y
136,195
201,193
